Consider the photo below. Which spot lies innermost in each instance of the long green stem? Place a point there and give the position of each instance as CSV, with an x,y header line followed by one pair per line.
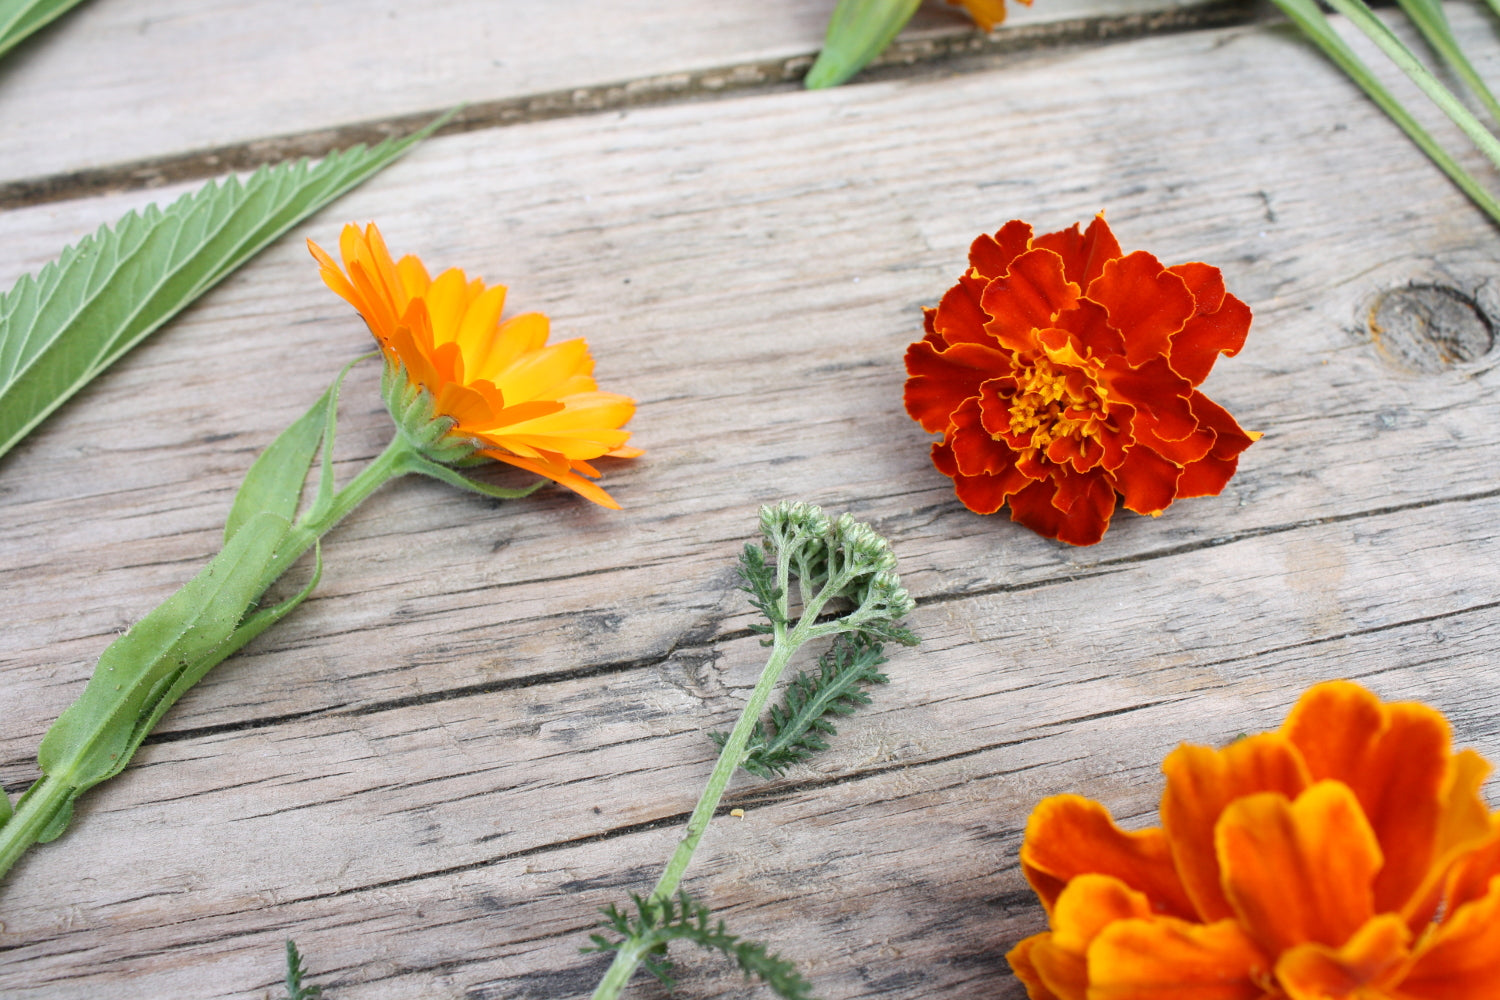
x,y
783,645
49,800
1365,20
1310,19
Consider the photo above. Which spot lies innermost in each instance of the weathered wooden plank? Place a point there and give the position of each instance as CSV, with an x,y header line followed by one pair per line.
x,y
135,80
888,867
721,291
1357,540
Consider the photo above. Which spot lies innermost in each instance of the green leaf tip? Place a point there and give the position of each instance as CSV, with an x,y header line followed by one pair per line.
x,y
858,31
103,295
19,19
295,973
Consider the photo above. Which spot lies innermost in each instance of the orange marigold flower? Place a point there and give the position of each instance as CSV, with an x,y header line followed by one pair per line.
x,y
505,391
1061,372
986,13
1346,856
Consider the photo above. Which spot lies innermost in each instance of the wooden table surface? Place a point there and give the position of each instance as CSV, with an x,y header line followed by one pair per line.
x,y
489,719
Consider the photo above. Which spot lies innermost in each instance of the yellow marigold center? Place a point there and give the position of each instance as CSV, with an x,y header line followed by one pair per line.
x,y
1049,405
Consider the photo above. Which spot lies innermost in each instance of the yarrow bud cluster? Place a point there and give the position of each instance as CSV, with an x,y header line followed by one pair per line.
x,y
843,558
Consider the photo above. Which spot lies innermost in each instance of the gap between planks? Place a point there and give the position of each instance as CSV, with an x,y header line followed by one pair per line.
x,y
961,51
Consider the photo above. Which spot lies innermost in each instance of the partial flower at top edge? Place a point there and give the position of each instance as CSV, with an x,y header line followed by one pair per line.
x,y
1347,855
459,381
1062,372
986,13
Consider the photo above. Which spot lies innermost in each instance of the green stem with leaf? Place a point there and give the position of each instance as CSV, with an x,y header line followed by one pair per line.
x,y
145,671
832,561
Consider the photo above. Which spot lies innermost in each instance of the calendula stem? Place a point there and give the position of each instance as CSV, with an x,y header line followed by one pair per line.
x,y
52,793
36,811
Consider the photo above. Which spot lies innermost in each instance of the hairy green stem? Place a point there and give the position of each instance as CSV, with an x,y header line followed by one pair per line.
x,y
784,645
52,795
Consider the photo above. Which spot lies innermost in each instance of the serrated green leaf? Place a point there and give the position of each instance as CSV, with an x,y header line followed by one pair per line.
x,y
19,18
102,296
5,807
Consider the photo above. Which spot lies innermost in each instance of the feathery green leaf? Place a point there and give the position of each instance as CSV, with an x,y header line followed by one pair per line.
x,y
684,918
796,728
294,974
19,18
103,295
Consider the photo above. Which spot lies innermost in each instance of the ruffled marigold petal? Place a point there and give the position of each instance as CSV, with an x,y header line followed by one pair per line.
x,y
1068,836
1395,759
990,256
1368,965
1147,481
939,381
1147,303
1201,783
1220,326
1084,254
1207,476
1027,298
1088,905
1460,958
1021,964
1271,849
1166,959
1083,523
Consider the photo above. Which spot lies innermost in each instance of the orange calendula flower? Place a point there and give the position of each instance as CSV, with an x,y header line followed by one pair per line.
x,y
1062,372
1346,856
986,13
500,388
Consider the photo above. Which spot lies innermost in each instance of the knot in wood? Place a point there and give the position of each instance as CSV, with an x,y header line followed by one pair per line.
x,y
1429,328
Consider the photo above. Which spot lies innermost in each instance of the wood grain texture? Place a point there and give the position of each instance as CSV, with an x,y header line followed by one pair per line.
x,y
129,80
489,720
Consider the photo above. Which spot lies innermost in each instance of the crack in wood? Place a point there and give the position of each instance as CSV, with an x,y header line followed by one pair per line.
x,y
948,52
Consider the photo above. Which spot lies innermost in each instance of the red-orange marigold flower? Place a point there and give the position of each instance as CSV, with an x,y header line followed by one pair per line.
x,y
1061,372
1346,856
518,399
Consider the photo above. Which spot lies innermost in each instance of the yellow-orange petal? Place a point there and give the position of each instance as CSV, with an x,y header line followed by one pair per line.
x,y
447,301
536,373
1299,871
1019,958
1460,958
414,277
1395,758
1068,836
1367,966
563,477
1201,783
1167,959
1086,906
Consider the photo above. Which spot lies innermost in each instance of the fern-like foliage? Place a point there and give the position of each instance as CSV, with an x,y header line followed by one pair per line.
x,y
759,579
795,729
294,974
106,293
684,918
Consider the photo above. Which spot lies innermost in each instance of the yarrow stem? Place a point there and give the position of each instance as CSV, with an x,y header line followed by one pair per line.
x,y
831,560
